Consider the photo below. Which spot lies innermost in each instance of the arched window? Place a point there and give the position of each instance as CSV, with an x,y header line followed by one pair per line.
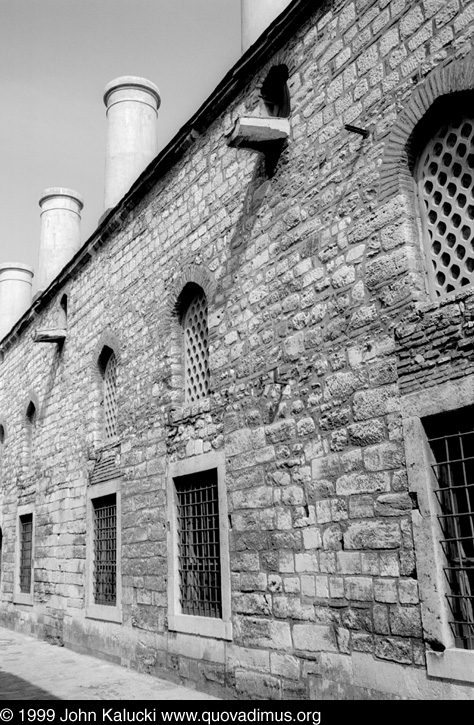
x,y
445,181
274,92
108,369
196,353
30,431
62,313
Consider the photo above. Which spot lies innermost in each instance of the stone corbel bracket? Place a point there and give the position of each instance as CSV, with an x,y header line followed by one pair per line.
x,y
259,134
56,335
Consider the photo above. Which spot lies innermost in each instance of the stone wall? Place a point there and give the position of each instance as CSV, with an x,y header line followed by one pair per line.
x,y
309,274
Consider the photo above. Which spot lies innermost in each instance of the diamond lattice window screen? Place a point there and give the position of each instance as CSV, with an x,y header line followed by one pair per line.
x,y
196,349
110,398
446,190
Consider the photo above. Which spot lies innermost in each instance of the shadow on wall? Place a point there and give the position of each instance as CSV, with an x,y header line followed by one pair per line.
x,y
254,197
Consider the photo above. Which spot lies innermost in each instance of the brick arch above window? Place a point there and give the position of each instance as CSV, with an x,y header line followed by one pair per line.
x,y
189,274
417,121
107,339
175,305
31,400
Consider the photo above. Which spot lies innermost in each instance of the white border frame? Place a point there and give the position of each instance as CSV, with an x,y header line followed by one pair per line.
x,y
102,611
18,596
453,663
177,621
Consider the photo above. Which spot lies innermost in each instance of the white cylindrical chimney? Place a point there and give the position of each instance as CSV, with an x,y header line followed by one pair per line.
x,y
132,141
60,232
15,294
256,16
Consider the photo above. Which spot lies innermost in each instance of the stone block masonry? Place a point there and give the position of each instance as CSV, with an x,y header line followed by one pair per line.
x,y
319,323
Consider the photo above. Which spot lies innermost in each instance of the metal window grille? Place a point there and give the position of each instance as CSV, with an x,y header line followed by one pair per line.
x,y
110,398
199,545
454,471
105,550
26,550
196,349
446,190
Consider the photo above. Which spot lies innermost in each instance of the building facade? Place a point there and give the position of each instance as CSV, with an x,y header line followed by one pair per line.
x,y
236,426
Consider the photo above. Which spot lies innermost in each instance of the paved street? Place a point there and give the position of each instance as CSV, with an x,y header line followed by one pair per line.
x,y
31,669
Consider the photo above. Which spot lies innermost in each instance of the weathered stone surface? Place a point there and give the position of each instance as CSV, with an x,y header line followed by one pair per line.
x,y
397,650
379,401
243,440
373,535
405,621
367,433
285,666
357,483
314,638
383,456
393,504
253,684
359,588
266,634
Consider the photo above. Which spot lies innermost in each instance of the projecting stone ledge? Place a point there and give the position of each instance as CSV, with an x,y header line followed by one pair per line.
x,y
255,133
56,335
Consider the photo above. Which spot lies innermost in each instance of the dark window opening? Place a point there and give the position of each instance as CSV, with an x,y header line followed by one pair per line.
x,y
31,425
451,438
31,413
105,550
275,93
62,316
26,552
199,544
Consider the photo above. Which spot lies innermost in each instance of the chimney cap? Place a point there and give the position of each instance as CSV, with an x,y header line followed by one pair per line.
x,y
61,191
17,265
133,82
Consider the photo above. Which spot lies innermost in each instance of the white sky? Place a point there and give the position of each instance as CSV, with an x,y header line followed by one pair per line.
x,y
56,56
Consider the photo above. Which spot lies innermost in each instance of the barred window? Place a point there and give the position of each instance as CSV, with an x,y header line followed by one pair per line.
x,y
199,553
445,176
105,550
26,552
451,438
196,348
108,368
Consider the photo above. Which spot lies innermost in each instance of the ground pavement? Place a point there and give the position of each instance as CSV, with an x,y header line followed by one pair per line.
x,y
31,669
